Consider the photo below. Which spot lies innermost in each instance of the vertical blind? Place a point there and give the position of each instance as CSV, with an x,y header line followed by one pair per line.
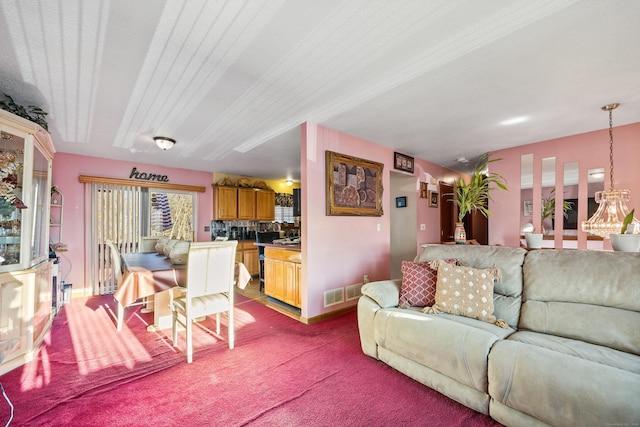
x,y
115,215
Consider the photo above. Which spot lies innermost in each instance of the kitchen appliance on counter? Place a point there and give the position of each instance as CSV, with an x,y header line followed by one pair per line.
x,y
233,233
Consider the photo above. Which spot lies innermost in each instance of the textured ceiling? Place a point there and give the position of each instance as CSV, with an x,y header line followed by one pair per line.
x,y
232,81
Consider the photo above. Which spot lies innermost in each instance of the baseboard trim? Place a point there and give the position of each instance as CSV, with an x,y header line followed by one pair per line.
x,y
329,315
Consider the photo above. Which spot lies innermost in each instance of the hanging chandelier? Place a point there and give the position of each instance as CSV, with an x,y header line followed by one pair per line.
x,y
612,203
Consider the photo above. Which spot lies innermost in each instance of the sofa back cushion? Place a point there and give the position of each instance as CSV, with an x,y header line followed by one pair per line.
x,y
507,293
592,296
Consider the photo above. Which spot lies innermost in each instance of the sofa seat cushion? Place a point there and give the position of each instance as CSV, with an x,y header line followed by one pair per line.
x,y
583,350
456,349
564,382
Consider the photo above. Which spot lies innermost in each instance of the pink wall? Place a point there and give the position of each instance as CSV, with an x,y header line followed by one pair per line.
x,y
591,150
338,251
65,172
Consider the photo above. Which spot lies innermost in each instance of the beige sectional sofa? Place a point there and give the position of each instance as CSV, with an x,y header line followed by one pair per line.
x,y
571,353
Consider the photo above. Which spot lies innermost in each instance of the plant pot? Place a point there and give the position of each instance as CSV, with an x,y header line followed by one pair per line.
x,y
625,242
534,240
459,234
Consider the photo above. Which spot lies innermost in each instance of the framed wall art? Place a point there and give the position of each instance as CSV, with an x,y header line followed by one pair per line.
x,y
354,186
402,162
401,202
433,199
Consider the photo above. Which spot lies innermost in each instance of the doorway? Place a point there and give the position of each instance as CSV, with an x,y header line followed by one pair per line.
x,y
447,212
404,220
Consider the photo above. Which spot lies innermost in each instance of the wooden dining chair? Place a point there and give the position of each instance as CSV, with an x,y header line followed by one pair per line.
x,y
116,263
209,289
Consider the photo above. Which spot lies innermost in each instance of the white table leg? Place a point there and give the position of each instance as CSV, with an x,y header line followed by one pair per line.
x,y
161,312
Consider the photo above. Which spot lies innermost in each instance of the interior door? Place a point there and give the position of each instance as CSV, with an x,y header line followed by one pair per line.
x,y
447,212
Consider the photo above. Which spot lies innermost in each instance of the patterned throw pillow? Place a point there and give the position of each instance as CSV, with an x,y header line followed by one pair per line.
x,y
418,284
465,291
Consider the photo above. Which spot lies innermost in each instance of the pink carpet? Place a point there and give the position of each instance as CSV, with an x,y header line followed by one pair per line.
x,y
281,373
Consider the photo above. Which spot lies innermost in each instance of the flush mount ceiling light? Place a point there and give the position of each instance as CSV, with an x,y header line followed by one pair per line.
x,y
612,203
289,182
164,142
597,173
514,121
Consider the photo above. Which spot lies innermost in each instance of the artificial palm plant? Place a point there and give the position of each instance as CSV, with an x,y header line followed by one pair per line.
x,y
475,194
549,207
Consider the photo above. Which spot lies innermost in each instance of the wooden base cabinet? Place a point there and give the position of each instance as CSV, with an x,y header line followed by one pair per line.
x,y
282,275
247,253
26,314
250,259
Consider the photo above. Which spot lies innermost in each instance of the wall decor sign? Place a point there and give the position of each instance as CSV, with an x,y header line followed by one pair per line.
x,y
402,162
144,176
401,202
354,186
433,199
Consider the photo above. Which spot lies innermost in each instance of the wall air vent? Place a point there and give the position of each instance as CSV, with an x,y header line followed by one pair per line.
x,y
333,297
353,291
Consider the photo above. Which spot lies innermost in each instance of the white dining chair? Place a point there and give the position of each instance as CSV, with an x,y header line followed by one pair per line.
x,y
116,264
209,290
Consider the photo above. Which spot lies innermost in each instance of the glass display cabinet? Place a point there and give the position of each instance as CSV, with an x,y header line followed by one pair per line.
x,y
26,154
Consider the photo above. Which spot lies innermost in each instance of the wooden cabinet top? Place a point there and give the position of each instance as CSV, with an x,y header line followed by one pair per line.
x,y
284,253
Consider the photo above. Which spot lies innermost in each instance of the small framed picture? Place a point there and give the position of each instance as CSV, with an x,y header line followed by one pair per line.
x,y
401,202
527,208
402,162
433,199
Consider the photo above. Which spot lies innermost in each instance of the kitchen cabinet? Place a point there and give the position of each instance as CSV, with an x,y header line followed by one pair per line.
x,y
247,253
246,203
282,269
239,203
225,203
250,259
265,205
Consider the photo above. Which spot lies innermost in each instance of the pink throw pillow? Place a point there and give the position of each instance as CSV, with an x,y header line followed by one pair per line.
x,y
419,284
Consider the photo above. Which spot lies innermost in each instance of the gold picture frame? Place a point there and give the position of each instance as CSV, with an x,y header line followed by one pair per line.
x,y
433,199
354,185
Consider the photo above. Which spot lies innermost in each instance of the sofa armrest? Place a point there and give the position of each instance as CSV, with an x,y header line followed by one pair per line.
x,y
385,292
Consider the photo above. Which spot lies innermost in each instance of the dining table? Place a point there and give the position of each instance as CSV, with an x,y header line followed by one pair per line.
x,y
151,275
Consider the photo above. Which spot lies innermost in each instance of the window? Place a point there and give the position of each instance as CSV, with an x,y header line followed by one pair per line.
x,y
124,214
284,214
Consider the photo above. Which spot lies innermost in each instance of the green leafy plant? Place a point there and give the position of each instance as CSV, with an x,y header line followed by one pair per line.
x,y
476,194
549,206
31,112
626,221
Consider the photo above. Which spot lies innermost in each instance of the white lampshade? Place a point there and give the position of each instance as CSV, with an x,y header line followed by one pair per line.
x,y
164,142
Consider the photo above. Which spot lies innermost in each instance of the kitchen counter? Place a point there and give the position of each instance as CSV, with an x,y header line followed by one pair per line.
x,y
282,271
292,247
